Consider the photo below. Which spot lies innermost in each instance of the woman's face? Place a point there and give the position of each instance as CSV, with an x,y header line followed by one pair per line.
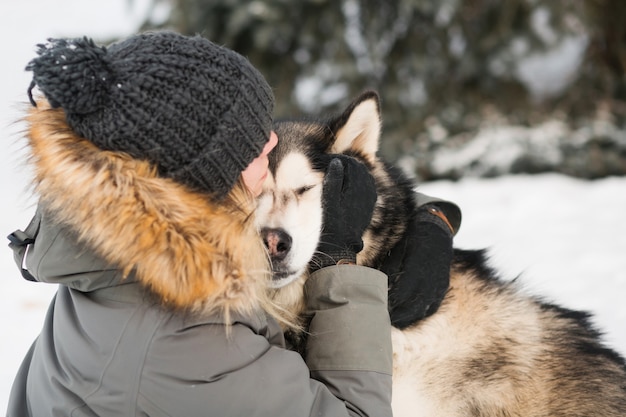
x,y
254,175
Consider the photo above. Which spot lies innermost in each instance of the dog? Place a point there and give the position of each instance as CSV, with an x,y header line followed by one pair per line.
x,y
490,350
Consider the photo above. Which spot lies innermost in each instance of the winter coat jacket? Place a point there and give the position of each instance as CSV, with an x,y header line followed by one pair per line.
x,y
111,346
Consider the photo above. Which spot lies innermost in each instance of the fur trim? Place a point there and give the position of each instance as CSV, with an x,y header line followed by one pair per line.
x,y
193,253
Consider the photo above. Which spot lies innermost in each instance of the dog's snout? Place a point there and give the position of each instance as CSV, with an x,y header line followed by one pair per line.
x,y
277,241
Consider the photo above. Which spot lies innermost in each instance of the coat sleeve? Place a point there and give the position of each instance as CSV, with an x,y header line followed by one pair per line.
x,y
349,343
240,376
212,369
450,209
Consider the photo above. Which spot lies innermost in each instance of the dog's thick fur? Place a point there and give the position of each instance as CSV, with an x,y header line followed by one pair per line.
x,y
490,350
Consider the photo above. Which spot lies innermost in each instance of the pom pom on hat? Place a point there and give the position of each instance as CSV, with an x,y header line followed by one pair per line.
x,y
200,112
74,74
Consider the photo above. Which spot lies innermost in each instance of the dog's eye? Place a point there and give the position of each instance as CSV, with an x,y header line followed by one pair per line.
x,y
303,190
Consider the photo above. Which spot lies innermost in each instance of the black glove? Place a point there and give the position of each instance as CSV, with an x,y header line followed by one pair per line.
x,y
418,267
349,196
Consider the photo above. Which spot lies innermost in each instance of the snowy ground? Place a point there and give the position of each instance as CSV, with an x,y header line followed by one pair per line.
x,y
566,237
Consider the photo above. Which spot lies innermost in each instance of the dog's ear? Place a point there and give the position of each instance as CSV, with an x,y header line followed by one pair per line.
x,y
358,127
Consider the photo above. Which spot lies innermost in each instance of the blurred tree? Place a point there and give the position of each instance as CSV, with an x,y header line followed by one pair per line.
x,y
444,68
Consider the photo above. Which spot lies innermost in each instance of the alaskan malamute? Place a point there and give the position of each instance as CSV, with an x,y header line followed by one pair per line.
x,y
489,350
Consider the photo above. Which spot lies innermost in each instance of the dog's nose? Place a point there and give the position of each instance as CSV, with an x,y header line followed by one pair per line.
x,y
277,241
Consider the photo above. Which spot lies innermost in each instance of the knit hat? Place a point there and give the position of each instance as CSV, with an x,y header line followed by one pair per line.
x,y
200,112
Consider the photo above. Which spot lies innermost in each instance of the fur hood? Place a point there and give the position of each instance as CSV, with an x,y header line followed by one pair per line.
x,y
191,252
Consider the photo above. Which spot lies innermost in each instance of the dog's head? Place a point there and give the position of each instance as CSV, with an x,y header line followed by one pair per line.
x,y
290,208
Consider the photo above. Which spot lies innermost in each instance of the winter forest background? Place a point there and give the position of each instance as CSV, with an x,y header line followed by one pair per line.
x,y
457,77
515,110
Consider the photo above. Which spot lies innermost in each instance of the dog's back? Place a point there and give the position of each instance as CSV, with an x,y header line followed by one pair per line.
x,y
490,350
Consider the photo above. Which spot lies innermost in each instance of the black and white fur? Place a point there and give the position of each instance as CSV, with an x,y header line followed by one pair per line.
x,y
490,350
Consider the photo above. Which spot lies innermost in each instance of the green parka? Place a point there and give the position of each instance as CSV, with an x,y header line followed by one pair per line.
x,y
111,347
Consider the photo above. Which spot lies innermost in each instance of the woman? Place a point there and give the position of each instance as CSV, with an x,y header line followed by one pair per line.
x,y
147,155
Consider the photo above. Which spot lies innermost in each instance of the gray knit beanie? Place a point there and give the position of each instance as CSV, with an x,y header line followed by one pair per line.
x,y
200,112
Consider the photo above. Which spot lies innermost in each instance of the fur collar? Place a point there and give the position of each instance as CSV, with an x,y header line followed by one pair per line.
x,y
192,253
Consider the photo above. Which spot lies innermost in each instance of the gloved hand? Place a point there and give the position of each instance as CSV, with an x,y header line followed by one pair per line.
x,y
418,267
349,196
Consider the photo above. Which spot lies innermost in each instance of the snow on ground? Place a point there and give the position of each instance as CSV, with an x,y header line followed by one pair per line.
x,y
566,237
